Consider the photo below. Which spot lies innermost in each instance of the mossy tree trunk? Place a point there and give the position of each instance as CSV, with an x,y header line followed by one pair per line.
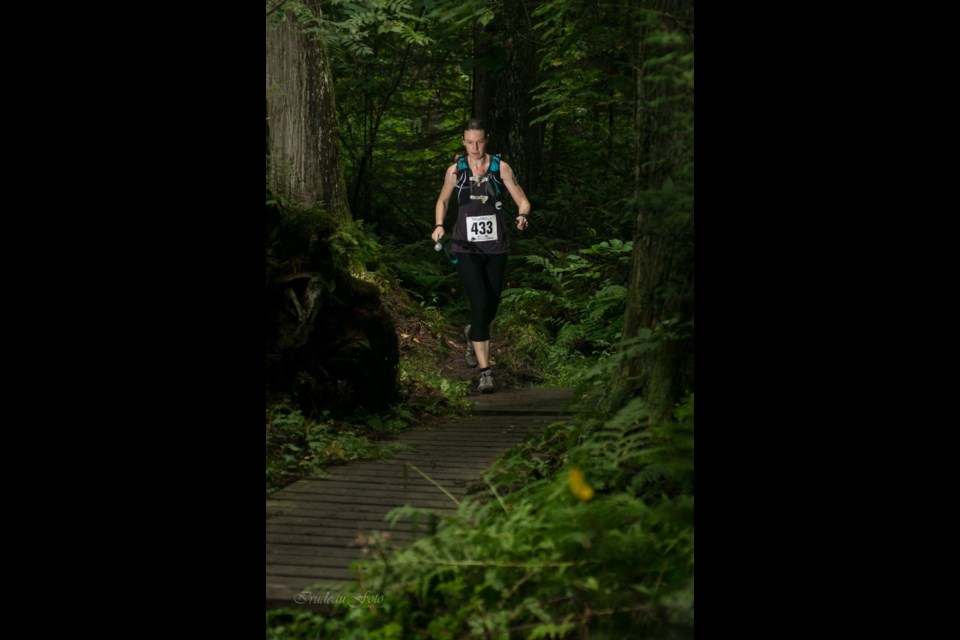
x,y
304,153
659,314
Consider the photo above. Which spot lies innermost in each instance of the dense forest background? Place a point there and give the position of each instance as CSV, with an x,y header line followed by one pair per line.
x,y
592,105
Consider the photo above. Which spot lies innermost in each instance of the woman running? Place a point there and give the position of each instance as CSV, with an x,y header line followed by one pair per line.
x,y
479,236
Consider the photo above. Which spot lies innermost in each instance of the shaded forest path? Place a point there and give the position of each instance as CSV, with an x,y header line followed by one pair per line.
x,y
318,526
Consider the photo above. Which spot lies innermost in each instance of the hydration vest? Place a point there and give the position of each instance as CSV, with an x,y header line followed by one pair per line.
x,y
491,179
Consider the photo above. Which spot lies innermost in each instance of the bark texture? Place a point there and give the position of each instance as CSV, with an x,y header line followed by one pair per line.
x,y
305,163
660,299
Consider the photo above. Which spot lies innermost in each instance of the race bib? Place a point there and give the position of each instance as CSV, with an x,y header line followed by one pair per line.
x,y
481,228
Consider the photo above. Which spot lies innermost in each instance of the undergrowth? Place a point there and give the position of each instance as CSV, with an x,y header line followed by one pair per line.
x,y
563,311
298,447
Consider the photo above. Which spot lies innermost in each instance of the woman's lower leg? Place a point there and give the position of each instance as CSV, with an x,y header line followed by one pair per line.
x,y
482,351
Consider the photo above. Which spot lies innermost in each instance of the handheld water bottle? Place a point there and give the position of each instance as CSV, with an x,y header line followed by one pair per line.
x,y
442,247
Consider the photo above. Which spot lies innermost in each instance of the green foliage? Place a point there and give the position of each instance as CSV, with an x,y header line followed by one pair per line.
x,y
297,446
464,14
356,25
355,249
426,274
285,623
434,394
562,314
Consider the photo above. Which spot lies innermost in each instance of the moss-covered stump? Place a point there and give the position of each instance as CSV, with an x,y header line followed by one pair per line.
x,y
330,344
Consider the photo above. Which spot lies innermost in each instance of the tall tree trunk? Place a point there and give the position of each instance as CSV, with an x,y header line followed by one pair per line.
x,y
304,148
660,299
502,85
483,74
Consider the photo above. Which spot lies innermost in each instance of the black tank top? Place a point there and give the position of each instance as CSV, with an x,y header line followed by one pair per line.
x,y
481,222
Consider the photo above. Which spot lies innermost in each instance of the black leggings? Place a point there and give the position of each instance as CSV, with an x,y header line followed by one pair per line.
x,y
482,276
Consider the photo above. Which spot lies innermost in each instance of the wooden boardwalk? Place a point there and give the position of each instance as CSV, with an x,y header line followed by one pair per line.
x,y
317,527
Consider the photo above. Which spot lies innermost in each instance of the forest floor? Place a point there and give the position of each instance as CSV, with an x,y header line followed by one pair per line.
x,y
433,345
449,348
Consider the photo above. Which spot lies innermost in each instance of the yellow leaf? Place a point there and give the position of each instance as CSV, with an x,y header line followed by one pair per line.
x,y
578,485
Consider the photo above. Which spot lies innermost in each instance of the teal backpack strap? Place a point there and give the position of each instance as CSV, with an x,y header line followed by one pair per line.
x,y
495,170
463,170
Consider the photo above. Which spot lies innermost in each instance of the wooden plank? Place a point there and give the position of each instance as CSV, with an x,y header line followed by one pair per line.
x,y
393,472
511,428
277,559
376,520
382,525
368,479
345,530
478,422
481,422
349,530
396,469
284,525
345,554
349,546
414,480
313,573
287,586
398,464
375,495
372,493
446,458
319,556
484,445
322,510
281,506
481,445
540,401
385,501
335,555
293,525
326,556
392,490
494,423
401,532
475,435
459,451
352,539
437,472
